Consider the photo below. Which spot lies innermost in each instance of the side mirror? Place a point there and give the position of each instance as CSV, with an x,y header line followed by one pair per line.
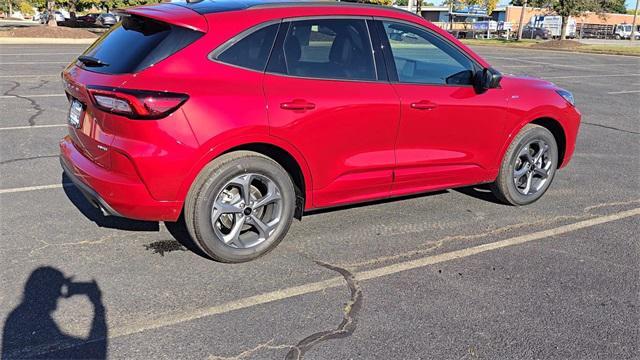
x,y
486,79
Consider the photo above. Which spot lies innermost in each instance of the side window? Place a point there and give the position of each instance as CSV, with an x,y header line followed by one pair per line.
x,y
424,58
326,48
252,51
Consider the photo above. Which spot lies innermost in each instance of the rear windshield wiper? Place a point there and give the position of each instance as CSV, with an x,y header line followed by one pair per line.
x,y
91,61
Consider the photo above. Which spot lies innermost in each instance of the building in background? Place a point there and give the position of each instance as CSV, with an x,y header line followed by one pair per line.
x,y
588,25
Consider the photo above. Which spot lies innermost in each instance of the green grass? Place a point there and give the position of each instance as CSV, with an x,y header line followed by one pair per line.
x,y
611,49
596,48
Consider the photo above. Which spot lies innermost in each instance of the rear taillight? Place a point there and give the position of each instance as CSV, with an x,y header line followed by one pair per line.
x,y
136,104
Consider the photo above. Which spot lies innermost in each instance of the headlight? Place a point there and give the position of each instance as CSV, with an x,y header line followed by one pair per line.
x,y
567,96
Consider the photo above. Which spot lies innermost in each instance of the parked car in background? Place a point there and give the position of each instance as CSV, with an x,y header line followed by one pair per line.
x,y
88,19
530,32
241,115
58,15
106,19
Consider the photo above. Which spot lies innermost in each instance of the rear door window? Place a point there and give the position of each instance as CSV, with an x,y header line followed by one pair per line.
x,y
251,51
327,49
137,43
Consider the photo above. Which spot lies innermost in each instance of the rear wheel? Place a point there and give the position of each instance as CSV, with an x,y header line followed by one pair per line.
x,y
528,167
240,206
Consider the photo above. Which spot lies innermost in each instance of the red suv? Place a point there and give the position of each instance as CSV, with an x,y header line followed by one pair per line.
x,y
241,115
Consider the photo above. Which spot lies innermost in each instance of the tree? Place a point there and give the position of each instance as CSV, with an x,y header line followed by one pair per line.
x,y
567,8
8,6
615,6
489,5
80,5
26,9
376,2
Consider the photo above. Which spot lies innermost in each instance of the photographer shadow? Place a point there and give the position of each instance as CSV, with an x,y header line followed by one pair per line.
x,y
31,332
94,214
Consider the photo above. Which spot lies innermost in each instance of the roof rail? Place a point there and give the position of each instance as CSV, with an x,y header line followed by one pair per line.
x,y
327,3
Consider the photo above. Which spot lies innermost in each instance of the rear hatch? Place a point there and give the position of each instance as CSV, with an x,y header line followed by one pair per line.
x,y
144,37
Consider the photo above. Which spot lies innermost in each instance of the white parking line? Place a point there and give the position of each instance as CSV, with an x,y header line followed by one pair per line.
x,y
624,92
28,75
31,127
314,287
34,63
30,96
32,188
26,54
590,76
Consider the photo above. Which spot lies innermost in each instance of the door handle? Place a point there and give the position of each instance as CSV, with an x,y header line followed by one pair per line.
x,y
423,105
298,104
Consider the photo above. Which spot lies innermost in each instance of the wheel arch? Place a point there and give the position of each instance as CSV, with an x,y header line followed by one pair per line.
x,y
555,127
288,162
280,151
550,123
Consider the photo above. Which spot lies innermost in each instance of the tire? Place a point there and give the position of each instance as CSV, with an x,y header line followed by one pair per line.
x,y
250,230
513,189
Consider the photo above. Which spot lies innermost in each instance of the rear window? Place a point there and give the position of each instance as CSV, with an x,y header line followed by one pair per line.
x,y
137,43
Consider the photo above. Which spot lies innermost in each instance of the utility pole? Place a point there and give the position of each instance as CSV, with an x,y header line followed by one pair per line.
x,y
451,14
524,9
419,7
635,18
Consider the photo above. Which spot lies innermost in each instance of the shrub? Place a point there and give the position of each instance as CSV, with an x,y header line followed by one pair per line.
x,y
26,9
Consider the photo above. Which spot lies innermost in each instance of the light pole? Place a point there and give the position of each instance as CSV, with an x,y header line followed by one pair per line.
x,y
524,8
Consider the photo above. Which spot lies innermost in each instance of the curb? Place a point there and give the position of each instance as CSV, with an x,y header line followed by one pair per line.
x,y
43,41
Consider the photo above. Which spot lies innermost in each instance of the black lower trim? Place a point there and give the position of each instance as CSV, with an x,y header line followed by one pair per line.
x,y
90,194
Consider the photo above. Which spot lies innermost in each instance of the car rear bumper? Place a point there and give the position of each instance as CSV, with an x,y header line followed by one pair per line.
x,y
114,193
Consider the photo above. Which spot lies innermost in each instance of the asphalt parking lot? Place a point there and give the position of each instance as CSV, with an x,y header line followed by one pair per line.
x,y
440,276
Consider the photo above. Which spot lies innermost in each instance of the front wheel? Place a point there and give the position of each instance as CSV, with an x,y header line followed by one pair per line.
x,y
528,166
240,207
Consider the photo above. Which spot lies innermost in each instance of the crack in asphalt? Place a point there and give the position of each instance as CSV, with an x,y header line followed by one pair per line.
x,y
28,158
349,320
42,83
46,244
344,329
34,104
611,128
245,354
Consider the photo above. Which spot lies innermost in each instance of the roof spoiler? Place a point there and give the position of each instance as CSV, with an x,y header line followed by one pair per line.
x,y
171,14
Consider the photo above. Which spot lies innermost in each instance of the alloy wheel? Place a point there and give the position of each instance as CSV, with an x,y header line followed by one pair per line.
x,y
247,211
531,167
